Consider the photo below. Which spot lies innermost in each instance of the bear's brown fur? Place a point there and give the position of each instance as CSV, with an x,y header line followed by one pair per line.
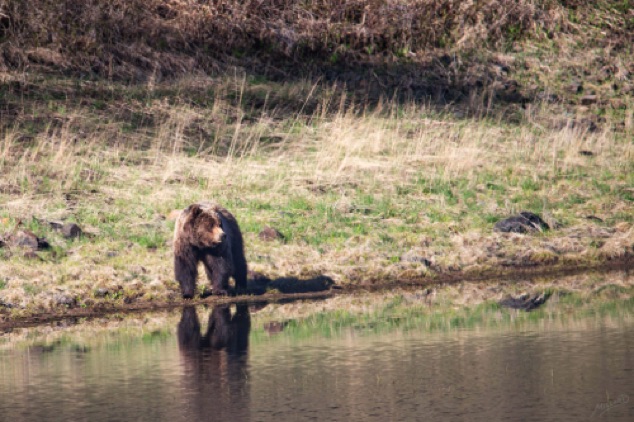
x,y
209,233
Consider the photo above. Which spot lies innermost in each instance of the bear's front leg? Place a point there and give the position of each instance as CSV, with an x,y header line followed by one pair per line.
x,y
186,272
218,271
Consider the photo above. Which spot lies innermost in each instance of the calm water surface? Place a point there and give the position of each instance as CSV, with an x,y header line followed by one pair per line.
x,y
219,364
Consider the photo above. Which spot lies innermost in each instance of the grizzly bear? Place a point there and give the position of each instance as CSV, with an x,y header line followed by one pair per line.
x,y
209,233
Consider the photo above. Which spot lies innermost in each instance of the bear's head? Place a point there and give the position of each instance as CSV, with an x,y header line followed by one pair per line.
x,y
204,227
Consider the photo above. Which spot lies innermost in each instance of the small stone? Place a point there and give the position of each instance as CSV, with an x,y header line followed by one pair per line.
x,y
575,87
101,292
412,256
64,299
71,231
589,99
6,305
269,233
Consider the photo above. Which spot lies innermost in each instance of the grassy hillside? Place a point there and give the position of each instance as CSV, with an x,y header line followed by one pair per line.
x,y
383,139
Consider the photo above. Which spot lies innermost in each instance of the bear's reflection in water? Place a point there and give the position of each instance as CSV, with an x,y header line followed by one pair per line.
x,y
215,363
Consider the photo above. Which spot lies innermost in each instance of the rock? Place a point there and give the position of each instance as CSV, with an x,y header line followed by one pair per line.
x,y
589,99
523,223
575,87
269,234
6,305
525,302
412,256
71,230
56,225
64,299
27,239
594,218
101,292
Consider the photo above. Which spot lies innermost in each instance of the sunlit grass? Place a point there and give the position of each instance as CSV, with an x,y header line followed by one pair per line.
x,y
351,187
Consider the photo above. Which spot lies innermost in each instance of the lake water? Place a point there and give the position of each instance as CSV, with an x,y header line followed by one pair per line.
x,y
245,363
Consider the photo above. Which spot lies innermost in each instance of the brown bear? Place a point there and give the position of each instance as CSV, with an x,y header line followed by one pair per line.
x,y
209,233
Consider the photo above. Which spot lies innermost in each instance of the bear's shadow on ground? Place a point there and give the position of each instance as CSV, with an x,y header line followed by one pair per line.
x,y
259,284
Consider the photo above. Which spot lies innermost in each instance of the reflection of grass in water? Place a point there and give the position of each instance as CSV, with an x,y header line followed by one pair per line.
x,y
399,315
92,335
114,341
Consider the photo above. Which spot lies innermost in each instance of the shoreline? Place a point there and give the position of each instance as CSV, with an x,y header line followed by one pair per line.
x,y
624,263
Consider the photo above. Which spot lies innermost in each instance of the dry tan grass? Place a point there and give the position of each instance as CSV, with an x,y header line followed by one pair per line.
x,y
122,39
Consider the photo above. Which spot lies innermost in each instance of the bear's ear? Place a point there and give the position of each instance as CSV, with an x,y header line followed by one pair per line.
x,y
195,210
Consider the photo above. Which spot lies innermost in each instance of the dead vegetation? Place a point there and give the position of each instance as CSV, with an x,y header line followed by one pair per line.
x,y
140,39
170,37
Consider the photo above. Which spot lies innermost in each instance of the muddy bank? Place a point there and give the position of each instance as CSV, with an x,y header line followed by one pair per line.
x,y
492,284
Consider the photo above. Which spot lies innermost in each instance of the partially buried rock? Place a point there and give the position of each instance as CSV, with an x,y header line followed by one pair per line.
x,y
71,230
269,233
6,305
525,222
64,299
589,99
27,239
525,302
412,256
101,292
